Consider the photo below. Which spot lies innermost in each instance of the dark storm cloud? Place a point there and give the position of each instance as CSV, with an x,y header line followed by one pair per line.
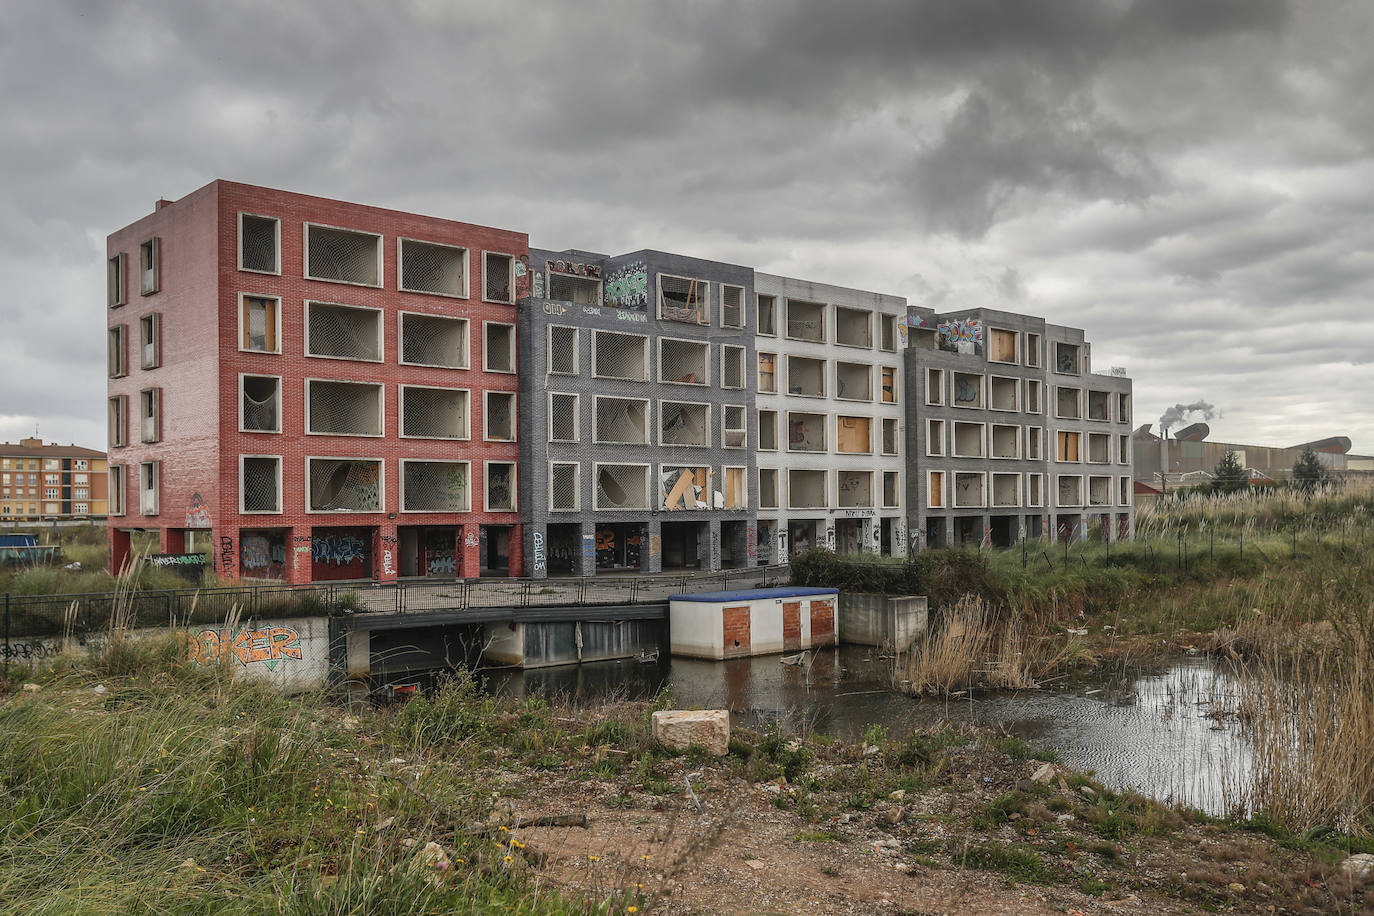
x,y
1182,178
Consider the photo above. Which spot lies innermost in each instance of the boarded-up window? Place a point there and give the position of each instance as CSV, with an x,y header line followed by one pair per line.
x,y
1002,346
736,491
889,385
685,488
768,380
853,435
935,492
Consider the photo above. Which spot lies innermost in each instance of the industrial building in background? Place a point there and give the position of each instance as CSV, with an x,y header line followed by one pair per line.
x,y
45,481
318,390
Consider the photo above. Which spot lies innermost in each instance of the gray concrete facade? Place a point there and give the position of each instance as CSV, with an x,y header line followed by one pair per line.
x,y
637,436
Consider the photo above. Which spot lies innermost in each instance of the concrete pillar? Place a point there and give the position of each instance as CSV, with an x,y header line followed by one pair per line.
x,y
225,553
172,540
384,552
299,567
711,547
467,551
830,536
537,549
517,551
652,559
119,548
587,562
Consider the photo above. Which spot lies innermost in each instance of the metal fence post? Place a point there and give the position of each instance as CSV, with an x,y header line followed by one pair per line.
x,y
7,631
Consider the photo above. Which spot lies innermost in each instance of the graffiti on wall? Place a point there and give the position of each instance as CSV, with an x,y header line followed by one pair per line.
x,y
537,284
830,538
263,555
588,551
573,268
388,554
338,549
628,286
197,513
898,541
226,555
751,549
267,646
962,335
540,561
522,276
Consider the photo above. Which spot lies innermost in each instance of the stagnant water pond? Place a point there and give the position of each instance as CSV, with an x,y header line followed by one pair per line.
x,y
1162,733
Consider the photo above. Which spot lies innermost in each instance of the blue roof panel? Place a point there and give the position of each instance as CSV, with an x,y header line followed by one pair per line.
x,y
753,594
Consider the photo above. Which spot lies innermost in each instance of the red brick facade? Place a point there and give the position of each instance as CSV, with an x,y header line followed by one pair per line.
x,y
736,624
199,304
823,623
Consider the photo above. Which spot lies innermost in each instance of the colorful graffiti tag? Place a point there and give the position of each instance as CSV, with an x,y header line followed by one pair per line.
x,y
628,287
962,335
197,513
338,549
267,646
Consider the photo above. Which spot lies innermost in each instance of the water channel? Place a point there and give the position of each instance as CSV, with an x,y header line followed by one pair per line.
x,y
1154,732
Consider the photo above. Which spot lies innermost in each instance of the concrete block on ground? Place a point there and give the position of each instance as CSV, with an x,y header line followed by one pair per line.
x,y
682,728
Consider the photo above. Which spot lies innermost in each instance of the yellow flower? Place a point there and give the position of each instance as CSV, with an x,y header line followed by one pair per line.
x,y
143,788
504,829
632,909
645,858
509,859
594,858
517,844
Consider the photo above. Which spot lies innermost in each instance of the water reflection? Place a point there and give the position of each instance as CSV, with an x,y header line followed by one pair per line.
x,y
1168,734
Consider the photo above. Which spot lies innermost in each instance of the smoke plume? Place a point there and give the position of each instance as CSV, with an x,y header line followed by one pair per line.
x,y
1176,415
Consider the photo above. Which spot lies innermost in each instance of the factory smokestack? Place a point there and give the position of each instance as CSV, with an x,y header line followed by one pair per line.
x,y
1179,413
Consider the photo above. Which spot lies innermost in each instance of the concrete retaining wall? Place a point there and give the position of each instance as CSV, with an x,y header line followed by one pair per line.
x,y
880,620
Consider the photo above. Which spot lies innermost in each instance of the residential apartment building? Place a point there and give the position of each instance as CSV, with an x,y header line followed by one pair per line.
x,y
325,389
1013,434
831,455
636,437
44,481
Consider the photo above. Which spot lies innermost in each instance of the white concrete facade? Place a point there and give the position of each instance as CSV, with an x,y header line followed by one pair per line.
x,y
829,379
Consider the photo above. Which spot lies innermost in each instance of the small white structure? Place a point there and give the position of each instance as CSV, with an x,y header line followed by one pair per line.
x,y
762,621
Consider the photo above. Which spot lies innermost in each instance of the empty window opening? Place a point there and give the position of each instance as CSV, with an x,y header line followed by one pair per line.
x,y
1034,436
1067,446
853,381
1097,405
853,327
1099,448
622,421
498,354
148,280
969,490
621,356
1033,396
856,489
806,376
117,351
968,390
148,485
1099,491
935,387
935,489
434,413
1006,489
500,486
887,332
732,359
890,434
1066,404
150,414
562,417
888,386
853,435
434,340
260,320
684,424
343,332
260,484
427,267
684,488
768,430
1002,393
117,489
767,323
768,379
806,432
150,340
805,320
1070,490
768,488
731,306
259,244
117,420
577,290
115,281
1123,495
1066,358
563,486
1035,490
436,486
343,408
683,362
683,299
1033,350
1006,441
807,489
968,440
891,490
500,416
344,256
1123,408
496,277
1001,346
1123,449
735,433
622,486
261,403
562,350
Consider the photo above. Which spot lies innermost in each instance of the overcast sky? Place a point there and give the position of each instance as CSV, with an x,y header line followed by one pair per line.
x,y
1187,180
